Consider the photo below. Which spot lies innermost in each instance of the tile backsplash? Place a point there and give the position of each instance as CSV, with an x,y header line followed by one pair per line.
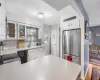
x,y
10,44
32,44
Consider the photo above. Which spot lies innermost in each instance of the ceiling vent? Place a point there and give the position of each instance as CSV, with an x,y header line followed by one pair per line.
x,y
68,19
58,4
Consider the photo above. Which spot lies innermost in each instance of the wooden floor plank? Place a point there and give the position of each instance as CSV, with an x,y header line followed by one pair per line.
x,y
89,73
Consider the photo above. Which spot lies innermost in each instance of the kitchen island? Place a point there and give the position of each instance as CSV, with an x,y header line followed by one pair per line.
x,y
45,68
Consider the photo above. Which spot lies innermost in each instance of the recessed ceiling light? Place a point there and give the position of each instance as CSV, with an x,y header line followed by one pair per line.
x,y
40,15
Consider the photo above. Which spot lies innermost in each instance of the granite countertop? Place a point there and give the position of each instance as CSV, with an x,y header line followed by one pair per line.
x,y
14,50
45,68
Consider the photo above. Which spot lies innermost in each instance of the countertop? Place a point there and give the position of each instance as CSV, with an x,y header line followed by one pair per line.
x,y
45,68
14,50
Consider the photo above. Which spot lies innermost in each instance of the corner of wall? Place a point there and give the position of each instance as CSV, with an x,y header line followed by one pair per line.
x,y
82,9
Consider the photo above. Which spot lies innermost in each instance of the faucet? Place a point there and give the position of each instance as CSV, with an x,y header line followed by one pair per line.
x,y
29,41
29,44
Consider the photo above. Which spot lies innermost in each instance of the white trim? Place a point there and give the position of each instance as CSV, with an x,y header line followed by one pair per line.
x,y
86,71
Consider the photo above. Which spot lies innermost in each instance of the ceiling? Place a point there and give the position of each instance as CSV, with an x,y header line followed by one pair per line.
x,y
30,7
58,4
51,10
92,8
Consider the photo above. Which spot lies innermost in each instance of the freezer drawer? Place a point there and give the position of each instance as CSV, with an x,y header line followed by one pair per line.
x,y
75,59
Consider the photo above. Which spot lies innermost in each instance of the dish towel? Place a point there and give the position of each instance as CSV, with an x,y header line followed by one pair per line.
x,y
69,58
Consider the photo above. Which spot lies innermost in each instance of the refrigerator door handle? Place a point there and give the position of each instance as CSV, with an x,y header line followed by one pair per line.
x,y
63,38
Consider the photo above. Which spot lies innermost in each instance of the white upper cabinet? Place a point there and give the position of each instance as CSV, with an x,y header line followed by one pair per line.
x,y
66,25
2,20
11,30
70,24
21,31
74,24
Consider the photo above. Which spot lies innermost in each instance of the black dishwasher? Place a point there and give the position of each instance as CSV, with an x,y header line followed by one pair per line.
x,y
23,56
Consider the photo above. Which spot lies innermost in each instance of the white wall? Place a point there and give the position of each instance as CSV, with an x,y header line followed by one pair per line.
x,y
24,19
92,8
81,7
47,37
55,40
68,12
86,56
2,20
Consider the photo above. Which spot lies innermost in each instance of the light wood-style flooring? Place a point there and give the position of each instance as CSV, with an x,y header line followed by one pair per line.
x,y
89,74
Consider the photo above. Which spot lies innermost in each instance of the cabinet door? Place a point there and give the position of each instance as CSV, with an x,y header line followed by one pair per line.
x,y
11,30
21,31
35,53
41,52
31,55
74,24
66,25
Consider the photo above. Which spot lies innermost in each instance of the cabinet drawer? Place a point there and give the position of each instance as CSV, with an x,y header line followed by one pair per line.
x,y
32,50
32,56
40,49
75,60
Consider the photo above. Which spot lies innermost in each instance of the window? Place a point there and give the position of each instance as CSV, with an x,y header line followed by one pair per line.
x,y
32,34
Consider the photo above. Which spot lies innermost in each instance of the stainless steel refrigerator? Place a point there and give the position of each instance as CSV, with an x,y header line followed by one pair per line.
x,y
72,44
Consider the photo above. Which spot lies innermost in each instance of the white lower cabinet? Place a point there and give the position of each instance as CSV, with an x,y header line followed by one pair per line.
x,y
75,59
36,53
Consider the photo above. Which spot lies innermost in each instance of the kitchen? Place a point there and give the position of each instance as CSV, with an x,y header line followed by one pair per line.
x,y
27,36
